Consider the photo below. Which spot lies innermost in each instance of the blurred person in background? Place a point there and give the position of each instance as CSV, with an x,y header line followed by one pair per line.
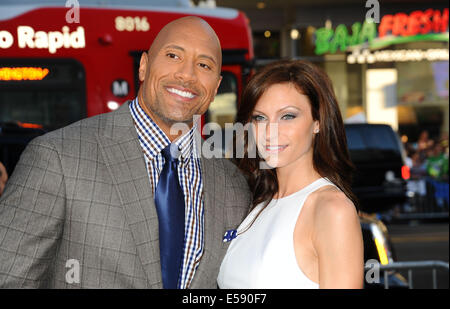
x,y
444,143
437,163
437,170
429,172
3,177
424,141
418,169
424,145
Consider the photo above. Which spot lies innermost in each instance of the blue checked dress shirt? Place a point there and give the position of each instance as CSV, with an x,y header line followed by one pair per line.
x,y
153,140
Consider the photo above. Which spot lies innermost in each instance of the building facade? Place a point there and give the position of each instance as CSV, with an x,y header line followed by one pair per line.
x,y
388,60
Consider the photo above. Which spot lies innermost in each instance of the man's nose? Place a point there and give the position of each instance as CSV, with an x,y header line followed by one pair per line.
x,y
186,72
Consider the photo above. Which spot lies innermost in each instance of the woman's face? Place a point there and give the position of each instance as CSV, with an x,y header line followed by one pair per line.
x,y
284,126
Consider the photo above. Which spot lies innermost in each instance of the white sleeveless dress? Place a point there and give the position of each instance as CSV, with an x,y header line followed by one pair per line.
x,y
263,257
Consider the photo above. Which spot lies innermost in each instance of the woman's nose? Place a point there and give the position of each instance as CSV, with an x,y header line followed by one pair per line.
x,y
271,133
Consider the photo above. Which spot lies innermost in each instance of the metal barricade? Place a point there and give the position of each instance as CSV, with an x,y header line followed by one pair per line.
x,y
427,196
414,265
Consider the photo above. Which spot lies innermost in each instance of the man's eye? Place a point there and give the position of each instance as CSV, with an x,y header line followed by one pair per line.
x,y
172,55
205,66
288,116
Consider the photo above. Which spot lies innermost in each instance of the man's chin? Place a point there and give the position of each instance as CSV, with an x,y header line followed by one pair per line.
x,y
173,119
186,117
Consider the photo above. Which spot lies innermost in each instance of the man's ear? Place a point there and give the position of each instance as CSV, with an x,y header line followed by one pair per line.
x,y
143,66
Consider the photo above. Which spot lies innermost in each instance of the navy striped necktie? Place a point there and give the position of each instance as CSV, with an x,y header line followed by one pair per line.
x,y
169,201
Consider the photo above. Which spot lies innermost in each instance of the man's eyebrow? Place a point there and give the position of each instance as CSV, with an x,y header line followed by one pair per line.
x,y
172,46
208,57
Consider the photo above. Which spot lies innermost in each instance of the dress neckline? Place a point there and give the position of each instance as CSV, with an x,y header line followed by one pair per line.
x,y
299,191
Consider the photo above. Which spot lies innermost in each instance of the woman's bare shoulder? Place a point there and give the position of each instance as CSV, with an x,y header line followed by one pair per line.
x,y
332,208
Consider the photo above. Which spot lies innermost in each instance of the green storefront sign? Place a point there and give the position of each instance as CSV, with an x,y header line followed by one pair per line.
x,y
429,25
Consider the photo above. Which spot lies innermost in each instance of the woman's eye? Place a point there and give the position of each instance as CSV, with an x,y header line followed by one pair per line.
x,y
257,118
288,116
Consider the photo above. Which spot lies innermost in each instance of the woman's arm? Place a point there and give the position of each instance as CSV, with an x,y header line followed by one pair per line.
x,y
337,239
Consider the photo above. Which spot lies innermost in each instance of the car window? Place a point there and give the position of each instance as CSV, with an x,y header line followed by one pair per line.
x,y
371,137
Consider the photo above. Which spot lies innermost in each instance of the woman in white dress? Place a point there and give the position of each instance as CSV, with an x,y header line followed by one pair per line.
x,y
303,230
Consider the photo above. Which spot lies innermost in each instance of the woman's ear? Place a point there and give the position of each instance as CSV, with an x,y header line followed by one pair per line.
x,y
316,127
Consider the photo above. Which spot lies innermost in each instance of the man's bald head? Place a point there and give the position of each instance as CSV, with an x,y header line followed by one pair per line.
x,y
180,75
185,25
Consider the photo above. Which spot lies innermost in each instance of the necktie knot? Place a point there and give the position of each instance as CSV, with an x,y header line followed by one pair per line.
x,y
167,153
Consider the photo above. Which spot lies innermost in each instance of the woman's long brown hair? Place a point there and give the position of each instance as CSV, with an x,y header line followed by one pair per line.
x,y
330,154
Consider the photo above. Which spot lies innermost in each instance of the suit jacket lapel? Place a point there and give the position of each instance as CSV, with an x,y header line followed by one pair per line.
x,y
124,158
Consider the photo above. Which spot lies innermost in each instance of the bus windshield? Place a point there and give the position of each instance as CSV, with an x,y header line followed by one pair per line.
x,y
45,93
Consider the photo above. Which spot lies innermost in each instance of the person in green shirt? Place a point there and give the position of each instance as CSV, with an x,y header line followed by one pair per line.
x,y
437,164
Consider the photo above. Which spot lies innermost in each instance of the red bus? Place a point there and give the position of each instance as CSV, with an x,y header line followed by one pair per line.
x,y
60,64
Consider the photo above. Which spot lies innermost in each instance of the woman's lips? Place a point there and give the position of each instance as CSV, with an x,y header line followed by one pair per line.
x,y
274,149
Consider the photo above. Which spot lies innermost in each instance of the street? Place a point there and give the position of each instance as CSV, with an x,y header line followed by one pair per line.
x,y
422,241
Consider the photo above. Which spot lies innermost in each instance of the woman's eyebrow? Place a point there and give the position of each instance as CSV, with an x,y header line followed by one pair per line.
x,y
281,109
286,107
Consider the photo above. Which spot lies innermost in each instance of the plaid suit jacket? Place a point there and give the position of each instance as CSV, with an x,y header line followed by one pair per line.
x,y
79,206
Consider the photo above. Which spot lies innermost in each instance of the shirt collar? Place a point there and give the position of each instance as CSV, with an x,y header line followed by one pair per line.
x,y
154,140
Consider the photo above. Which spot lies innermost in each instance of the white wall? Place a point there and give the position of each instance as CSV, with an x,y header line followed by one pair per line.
x,y
381,97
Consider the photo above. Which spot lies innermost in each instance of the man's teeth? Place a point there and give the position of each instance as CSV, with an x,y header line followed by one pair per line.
x,y
184,94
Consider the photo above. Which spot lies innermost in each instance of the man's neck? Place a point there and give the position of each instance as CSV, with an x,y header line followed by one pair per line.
x,y
167,127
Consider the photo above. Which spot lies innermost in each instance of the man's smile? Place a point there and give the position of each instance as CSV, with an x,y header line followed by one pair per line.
x,y
181,92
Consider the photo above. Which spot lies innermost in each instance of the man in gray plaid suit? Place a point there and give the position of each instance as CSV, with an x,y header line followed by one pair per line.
x,y
79,210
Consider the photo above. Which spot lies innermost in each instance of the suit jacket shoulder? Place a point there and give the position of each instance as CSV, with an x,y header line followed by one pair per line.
x,y
78,194
108,124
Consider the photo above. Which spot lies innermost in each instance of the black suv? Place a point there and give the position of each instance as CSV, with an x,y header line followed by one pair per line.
x,y
378,155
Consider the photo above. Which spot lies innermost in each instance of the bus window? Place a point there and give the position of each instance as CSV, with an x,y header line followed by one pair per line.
x,y
224,107
44,93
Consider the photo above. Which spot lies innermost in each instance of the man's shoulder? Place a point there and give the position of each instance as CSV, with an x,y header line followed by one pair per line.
x,y
87,129
233,176
225,165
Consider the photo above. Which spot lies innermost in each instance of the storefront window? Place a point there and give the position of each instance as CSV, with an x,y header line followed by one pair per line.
x,y
266,44
422,93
